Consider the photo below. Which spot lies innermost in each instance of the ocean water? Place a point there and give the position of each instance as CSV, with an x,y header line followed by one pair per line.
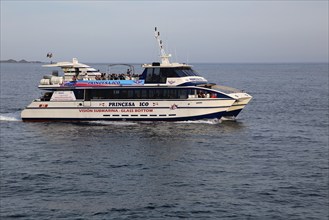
x,y
269,163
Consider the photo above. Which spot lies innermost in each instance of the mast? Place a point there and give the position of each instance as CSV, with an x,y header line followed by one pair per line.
x,y
164,57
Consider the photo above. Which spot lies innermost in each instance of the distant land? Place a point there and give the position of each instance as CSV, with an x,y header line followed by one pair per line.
x,y
20,61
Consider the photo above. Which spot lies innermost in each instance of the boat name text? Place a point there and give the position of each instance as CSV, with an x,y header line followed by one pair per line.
x,y
127,104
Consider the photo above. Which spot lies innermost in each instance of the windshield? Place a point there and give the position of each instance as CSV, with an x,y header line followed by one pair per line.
x,y
186,71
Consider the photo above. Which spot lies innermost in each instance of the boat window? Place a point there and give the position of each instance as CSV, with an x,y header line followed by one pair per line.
x,y
130,94
87,95
156,75
144,94
158,93
152,94
161,78
186,71
98,94
79,93
149,75
203,93
168,72
164,94
46,96
153,75
139,93
124,93
183,93
172,93
156,72
160,75
116,94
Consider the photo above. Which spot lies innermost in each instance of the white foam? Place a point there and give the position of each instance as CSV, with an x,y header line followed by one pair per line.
x,y
209,121
15,116
229,118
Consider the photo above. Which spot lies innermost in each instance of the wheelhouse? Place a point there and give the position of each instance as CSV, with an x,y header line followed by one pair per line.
x,y
159,74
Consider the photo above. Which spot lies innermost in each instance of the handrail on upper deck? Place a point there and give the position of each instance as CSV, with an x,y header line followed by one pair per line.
x,y
132,68
221,88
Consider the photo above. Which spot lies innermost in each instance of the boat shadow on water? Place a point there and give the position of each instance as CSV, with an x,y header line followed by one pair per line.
x,y
158,127
144,129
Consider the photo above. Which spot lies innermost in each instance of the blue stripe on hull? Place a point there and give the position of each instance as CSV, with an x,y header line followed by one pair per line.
x,y
232,113
217,115
193,83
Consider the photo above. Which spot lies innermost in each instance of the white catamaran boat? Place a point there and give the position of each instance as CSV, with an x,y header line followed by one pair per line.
x,y
163,92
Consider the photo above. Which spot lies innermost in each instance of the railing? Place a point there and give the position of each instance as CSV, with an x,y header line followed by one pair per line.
x,y
226,89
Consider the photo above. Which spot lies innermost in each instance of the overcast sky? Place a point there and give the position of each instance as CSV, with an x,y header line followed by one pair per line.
x,y
192,31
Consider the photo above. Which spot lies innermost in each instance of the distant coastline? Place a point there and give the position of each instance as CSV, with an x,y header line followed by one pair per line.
x,y
20,61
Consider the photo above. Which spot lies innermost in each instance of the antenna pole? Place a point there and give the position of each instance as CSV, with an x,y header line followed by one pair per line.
x,y
164,57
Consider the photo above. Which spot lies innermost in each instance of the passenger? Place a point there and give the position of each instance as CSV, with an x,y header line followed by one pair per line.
x,y
135,76
128,71
200,94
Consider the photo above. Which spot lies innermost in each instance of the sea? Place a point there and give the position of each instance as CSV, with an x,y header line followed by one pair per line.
x,y
271,162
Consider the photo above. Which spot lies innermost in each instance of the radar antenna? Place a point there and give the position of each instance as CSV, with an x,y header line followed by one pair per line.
x,y
164,57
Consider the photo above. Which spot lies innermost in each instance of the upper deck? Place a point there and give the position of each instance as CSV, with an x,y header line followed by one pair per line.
x,y
155,74
76,74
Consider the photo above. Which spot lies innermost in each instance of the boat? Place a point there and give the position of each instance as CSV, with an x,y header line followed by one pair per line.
x,y
164,91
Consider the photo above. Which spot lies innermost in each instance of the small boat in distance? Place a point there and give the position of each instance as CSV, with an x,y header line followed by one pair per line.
x,y
163,92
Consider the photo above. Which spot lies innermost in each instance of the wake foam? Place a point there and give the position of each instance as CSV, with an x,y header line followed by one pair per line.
x,y
228,118
208,121
15,116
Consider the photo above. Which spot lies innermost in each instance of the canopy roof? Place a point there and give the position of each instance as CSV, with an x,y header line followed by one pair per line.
x,y
74,64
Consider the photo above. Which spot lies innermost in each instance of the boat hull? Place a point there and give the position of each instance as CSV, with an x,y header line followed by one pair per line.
x,y
154,110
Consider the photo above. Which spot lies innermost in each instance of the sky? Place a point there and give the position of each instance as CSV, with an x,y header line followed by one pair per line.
x,y
192,31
